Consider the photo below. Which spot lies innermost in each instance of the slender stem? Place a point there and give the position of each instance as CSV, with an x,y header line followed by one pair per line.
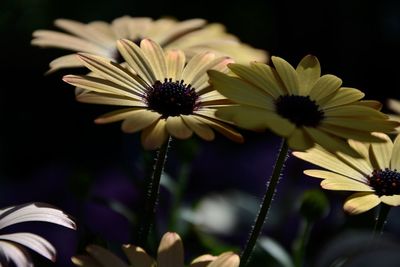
x,y
153,189
381,219
301,243
266,203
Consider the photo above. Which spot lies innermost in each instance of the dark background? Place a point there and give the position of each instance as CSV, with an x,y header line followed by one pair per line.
x,y
51,151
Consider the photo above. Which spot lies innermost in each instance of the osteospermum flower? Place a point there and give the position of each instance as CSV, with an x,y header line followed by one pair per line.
x,y
299,104
12,245
100,38
170,254
375,177
164,97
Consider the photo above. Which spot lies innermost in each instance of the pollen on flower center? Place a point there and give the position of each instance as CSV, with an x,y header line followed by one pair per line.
x,y
300,110
172,98
385,182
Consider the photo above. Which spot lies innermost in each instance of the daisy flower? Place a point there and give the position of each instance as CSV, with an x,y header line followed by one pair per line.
x,y
375,177
100,38
170,254
12,246
299,104
163,96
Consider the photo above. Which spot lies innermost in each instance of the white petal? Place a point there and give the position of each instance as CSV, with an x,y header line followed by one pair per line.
x,y
34,242
34,212
15,253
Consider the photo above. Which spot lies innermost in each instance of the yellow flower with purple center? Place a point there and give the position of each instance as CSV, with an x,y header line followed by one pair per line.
x,y
375,177
299,104
162,95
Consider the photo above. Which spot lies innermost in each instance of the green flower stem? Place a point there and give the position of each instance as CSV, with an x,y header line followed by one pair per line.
x,y
301,242
178,195
381,219
266,203
153,189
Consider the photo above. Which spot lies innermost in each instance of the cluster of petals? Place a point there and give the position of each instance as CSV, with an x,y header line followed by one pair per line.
x,y
100,38
170,254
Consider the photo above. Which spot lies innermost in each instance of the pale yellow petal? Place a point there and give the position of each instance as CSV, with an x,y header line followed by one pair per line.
x,y
200,81
177,128
238,90
299,140
100,85
155,135
330,142
135,58
361,164
90,32
244,116
343,96
156,57
325,86
308,71
382,152
361,202
344,183
195,65
68,61
395,160
393,200
200,128
105,257
260,80
222,128
370,103
175,63
138,120
347,133
394,105
354,111
287,74
138,257
45,38
268,78
112,71
108,99
320,157
170,251
202,261
116,115
85,261
363,124
227,259
322,174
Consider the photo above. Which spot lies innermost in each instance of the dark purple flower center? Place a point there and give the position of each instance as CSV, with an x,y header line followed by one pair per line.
x,y
172,98
300,110
385,182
